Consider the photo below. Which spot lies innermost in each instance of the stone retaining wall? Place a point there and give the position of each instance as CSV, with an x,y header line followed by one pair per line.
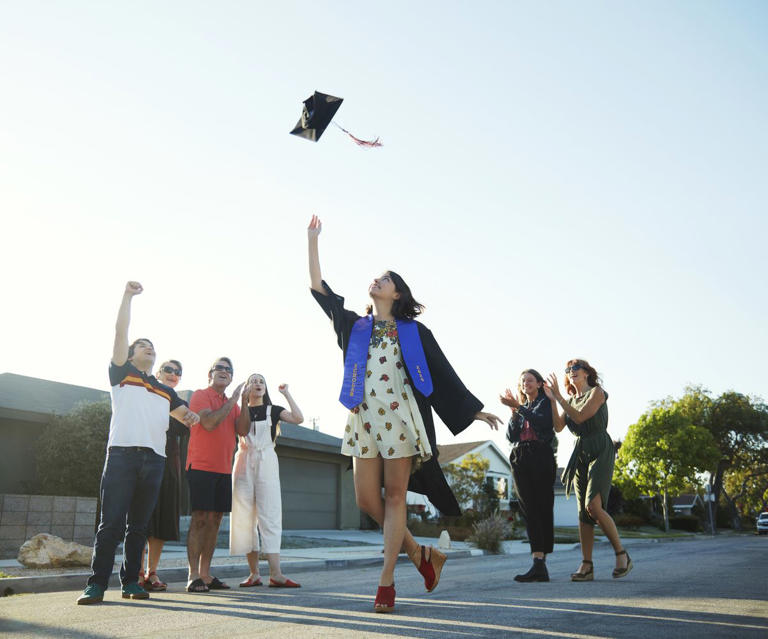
x,y
23,516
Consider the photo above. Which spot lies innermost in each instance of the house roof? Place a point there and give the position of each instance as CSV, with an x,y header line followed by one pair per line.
x,y
43,396
450,452
684,501
301,437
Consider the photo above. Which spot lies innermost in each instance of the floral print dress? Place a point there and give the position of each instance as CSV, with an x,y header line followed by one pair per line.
x,y
387,423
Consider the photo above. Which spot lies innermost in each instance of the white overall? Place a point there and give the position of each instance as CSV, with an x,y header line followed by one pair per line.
x,y
256,500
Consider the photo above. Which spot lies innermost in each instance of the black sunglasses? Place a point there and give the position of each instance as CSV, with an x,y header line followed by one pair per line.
x,y
221,367
575,367
171,370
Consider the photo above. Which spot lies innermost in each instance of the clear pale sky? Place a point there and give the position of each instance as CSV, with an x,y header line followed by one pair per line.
x,y
557,180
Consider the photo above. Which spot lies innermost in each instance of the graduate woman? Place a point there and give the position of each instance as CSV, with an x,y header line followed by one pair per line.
x,y
590,467
256,500
394,374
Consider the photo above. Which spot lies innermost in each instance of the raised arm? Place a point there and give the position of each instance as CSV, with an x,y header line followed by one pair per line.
x,y
243,423
120,348
558,420
293,416
315,275
210,419
578,416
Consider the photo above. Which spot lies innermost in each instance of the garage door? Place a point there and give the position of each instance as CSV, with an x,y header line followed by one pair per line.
x,y
310,494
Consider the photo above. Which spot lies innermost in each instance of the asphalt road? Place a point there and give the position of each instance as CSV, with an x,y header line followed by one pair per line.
x,y
698,588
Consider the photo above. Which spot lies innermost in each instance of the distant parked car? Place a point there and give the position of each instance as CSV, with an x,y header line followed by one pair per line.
x,y
762,524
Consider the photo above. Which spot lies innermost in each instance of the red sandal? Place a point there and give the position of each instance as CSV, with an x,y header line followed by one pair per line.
x,y
385,599
431,569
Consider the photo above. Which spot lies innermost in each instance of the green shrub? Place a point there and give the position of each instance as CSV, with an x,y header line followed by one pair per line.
x,y
489,533
71,451
685,522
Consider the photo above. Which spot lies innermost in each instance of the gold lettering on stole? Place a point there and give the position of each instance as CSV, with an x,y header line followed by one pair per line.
x,y
354,381
418,370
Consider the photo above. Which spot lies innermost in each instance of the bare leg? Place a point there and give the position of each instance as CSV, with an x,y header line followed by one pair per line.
x,y
253,564
369,478
275,572
587,539
153,556
195,540
211,532
396,475
607,525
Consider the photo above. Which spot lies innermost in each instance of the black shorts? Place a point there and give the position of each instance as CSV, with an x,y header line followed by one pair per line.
x,y
209,491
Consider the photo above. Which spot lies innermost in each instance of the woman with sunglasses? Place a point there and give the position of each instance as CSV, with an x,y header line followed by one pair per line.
x,y
590,468
394,374
164,523
257,507
531,431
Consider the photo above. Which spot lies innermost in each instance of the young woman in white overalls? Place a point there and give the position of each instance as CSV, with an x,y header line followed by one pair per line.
x,y
256,499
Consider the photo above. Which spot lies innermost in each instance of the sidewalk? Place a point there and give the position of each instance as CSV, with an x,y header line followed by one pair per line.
x,y
366,550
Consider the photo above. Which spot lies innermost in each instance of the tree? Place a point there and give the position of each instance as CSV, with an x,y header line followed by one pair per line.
x,y
71,451
467,478
663,452
739,425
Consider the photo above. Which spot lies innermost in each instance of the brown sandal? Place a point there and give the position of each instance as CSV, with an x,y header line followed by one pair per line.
x,y
618,573
584,576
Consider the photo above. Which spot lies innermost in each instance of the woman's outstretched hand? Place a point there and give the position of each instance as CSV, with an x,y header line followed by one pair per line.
x,y
315,227
489,418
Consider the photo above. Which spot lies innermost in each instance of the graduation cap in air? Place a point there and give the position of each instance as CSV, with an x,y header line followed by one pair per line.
x,y
316,115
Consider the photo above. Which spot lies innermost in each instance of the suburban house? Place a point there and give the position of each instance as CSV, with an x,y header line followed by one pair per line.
x,y
317,487
499,470
684,504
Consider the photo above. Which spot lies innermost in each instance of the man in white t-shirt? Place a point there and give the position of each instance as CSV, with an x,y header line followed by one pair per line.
x,y
135,459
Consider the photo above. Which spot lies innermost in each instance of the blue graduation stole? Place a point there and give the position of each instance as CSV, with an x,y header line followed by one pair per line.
x,y
356,361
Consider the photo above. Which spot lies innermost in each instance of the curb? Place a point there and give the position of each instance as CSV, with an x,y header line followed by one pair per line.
x,y
77,581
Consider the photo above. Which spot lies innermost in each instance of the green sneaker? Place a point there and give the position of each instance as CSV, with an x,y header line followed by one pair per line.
x,y
134,591
92,594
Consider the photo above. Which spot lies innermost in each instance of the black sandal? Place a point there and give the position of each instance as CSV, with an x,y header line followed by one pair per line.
x,y
217,584
584,576
618,573
197,585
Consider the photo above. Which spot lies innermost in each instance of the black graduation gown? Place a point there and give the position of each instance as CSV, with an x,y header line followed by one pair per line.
x,y
454,404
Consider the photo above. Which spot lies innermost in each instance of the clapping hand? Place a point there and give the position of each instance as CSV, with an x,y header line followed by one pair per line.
x,y
509,399
551,387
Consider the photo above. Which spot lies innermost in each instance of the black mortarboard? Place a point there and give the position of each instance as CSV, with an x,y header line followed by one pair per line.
x,y
317,114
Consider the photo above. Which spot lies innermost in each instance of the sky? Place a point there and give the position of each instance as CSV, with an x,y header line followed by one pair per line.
x,y
557,180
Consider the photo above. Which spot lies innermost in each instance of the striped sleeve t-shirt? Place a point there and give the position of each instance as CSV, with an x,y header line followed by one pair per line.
x,y
140,407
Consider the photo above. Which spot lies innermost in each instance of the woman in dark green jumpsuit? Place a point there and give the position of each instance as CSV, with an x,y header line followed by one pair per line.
x,y
590,468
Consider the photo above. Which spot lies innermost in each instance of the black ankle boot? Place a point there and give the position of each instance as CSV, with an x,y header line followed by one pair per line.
x,y
538,572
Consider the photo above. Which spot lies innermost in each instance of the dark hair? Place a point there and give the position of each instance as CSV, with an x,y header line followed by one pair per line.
x,y
172,361
216,361
536,374
593,379
132,347
405,306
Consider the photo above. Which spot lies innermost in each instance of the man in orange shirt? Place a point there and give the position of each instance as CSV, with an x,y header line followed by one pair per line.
x,y
209,471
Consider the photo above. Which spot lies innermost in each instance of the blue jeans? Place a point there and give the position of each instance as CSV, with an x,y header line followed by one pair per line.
x,y
130,484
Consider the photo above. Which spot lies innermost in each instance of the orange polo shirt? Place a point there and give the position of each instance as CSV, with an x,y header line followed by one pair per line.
x,y
212,450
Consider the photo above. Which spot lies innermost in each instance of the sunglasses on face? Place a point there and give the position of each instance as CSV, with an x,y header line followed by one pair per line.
x,y
221,367
171,370
574,368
